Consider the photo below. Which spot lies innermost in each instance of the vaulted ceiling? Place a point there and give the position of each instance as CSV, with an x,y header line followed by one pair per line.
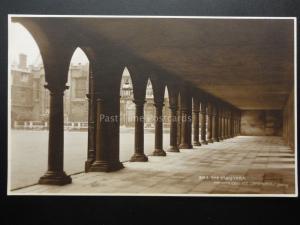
x,y
246,62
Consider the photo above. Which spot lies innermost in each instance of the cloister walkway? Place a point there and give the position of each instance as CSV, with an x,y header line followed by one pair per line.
x,y
240,165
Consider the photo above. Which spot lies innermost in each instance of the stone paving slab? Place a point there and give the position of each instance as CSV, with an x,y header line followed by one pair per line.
x,y
242,165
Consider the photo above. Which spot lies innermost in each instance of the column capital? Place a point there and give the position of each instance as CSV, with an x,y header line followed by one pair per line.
x,y
98,95
56,89
100,100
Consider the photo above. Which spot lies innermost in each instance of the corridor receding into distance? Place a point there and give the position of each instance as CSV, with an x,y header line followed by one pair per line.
x,y
157,106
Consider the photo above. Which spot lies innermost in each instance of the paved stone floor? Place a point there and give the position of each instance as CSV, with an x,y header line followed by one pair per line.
x,y
241,165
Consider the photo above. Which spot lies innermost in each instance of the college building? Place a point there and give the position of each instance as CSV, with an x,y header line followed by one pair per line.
x,y
30,99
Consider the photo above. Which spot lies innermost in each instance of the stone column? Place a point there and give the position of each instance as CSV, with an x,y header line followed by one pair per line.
x,y
190,121
220,124
184,143
101,161
107,124
228,126
209,123
185,106
173,105
196,107
203,122
239,125
231,124
215,124
55,174
107,77
234,128
225,125
91,154
158,151
139,155
173,129
179,121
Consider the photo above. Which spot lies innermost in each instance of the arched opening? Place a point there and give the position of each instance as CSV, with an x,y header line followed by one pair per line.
x,y
149,119
127,116
76,113
29,109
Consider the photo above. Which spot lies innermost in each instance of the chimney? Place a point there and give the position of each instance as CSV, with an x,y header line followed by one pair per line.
x,y
22,61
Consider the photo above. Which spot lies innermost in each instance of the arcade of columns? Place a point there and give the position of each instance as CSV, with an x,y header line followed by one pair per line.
x,y
189,106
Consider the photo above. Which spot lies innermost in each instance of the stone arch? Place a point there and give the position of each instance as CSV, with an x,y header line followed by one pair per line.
x,y
55,59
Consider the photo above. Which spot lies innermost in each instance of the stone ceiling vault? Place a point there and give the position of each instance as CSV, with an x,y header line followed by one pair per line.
x,y
246,62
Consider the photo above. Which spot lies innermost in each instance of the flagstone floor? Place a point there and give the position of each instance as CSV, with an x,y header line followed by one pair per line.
x,y
240,165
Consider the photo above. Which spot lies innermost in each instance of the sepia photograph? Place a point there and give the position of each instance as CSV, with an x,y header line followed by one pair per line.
x,y
152,106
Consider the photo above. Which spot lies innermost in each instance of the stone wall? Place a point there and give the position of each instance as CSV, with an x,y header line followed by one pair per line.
x,y
21,95
261,123
289,121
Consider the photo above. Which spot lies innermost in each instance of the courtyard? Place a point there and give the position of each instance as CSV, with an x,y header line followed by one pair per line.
x,y
29,152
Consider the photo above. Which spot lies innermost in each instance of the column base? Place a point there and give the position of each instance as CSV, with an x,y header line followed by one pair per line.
x,y
87,165
210,141
159,152
197,143
185,146
139,157
204,142
104,166
216,139
173,149
55,178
